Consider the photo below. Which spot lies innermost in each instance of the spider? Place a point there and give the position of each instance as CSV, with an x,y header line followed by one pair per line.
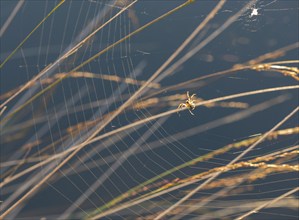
x,y
254,12
190,105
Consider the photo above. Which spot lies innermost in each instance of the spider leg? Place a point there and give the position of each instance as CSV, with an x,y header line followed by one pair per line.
x,y
190,112
193,96
182,105
188,95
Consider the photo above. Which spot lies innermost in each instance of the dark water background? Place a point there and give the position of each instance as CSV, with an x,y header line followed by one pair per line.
x,y
276,26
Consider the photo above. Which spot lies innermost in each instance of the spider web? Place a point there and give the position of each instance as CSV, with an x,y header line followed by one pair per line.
x,y
141,161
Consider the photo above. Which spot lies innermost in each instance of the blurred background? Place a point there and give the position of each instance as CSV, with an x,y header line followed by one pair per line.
x,y
34,132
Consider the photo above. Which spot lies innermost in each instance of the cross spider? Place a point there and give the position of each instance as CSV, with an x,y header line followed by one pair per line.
x,y
190,105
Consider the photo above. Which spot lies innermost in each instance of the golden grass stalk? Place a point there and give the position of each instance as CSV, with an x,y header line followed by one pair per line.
x,y
176,186
88,75
120,109
66,55
108,134
285,70
269,203
28,36
189,195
